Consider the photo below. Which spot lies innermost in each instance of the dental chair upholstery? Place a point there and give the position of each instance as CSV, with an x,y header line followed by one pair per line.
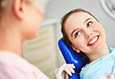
x,y
72,57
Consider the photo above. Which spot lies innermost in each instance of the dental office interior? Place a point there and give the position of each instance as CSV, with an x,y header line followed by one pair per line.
x,y
43,51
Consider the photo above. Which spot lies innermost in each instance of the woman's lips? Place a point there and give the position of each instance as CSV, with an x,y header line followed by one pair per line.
x,y
93,41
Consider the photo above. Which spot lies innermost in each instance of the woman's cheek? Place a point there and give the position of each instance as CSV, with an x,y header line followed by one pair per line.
x,y
79,43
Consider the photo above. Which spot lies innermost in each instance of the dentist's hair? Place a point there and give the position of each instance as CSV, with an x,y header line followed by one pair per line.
x,y
63,21
3,4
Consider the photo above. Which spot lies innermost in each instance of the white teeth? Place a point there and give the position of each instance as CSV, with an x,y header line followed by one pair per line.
x,y
93,40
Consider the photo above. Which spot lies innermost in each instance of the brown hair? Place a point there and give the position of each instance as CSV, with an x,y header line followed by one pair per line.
x,y
65,37
0,10
0,6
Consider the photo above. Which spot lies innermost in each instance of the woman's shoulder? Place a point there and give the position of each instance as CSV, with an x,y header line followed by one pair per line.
x,y
97,68
100,63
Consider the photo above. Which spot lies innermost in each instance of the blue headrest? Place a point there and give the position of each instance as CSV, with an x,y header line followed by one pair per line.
x,y
72,57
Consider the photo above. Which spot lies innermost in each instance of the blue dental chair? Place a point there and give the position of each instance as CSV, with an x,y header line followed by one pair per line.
x,y
72,57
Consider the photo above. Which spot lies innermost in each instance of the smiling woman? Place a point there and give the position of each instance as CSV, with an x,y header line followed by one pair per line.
x,y
84,33
64,20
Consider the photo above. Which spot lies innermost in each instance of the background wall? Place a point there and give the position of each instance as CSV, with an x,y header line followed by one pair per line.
x,y
57,8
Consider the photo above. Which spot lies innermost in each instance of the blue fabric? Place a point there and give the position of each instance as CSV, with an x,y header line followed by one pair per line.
x,y
99,67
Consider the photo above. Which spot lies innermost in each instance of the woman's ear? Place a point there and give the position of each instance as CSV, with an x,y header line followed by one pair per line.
x,y
75,49
19,8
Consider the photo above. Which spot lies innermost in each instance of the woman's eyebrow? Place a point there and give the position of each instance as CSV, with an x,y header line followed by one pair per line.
x,y
74,31
77,28
87,20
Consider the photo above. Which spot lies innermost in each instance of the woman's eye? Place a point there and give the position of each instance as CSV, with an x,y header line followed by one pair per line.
x,y
76,34
89,23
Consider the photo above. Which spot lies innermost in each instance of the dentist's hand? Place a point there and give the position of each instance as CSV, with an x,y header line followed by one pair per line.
x,y
109,76
64,71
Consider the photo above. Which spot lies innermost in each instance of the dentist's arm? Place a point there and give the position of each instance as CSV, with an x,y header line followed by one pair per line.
x,y
64,71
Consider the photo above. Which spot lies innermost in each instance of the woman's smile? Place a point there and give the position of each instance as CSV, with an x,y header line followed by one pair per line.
x,y
93,40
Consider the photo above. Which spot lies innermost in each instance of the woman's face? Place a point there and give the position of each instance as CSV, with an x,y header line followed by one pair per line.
x,y
85,32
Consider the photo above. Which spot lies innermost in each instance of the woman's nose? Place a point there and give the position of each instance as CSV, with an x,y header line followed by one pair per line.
x,y
88,34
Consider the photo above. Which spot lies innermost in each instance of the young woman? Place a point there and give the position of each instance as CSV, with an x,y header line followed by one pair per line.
x,y
19,20
83,32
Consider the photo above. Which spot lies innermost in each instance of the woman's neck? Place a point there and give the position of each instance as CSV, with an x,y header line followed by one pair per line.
x,y
95,55
11,41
